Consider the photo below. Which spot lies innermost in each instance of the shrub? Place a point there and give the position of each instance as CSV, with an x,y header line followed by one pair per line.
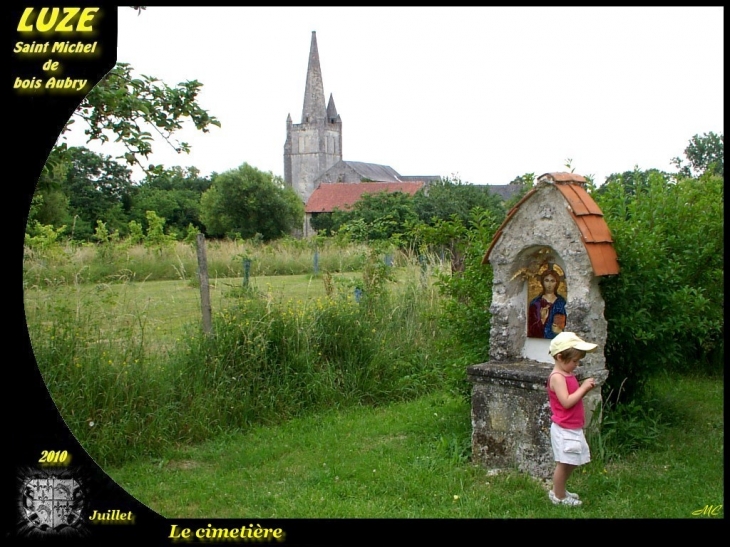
x,y
466,312
665,308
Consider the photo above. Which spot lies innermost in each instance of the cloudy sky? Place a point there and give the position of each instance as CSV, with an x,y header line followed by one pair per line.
x,y
484,93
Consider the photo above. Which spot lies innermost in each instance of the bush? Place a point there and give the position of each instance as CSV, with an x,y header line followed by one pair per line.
x,y
665,308
466,312
245,201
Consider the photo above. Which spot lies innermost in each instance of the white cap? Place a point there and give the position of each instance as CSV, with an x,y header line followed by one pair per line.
x,y
566,340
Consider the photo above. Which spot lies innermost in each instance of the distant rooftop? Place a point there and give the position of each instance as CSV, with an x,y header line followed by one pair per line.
x,y
357,171
341,195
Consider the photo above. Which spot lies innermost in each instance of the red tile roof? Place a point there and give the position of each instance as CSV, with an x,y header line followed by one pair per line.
x,y
588,218
342,195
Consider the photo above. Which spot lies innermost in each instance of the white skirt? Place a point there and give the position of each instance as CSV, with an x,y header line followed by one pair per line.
x,y
569,445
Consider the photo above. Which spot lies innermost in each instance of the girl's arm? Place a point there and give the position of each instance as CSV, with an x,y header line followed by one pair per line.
x,y
560,387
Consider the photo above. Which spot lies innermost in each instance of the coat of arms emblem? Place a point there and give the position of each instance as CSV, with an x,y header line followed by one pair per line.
x,y
52,503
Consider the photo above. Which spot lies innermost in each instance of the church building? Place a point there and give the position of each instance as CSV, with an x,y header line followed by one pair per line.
x,y
313,164
313,155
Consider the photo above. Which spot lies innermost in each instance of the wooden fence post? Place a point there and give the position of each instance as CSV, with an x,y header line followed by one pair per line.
x,y
204,286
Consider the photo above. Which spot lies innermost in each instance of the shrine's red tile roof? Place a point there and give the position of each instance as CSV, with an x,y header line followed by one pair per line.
x,y
588,218
329,196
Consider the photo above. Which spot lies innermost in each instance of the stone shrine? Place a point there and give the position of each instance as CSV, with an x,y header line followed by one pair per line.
x,y
547,259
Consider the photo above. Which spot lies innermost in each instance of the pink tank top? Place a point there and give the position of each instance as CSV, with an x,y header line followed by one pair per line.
x,y
569,418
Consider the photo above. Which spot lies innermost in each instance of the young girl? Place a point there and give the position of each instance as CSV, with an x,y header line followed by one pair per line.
x,y
568,418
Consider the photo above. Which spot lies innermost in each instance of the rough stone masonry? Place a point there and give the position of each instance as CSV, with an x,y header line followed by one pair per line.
x,y
556,223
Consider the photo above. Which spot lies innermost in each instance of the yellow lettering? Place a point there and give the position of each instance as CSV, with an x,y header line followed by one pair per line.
x,y
48,20
86,16
23,25
64,26
22,47
35,83
43,24
184,533
711,510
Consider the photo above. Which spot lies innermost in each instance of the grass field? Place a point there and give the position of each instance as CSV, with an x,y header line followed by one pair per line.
x,y
411,460
131,370
408,459
162,309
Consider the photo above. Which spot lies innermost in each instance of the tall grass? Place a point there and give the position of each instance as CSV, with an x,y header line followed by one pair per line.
x,y
269,358
68,263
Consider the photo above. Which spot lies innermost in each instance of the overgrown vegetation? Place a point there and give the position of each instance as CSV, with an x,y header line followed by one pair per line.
x,y
267,360
468,287
370,341
392,216
50,260
665,308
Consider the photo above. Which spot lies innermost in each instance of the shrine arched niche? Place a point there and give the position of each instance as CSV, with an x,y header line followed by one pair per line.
x,y
542,299
547,298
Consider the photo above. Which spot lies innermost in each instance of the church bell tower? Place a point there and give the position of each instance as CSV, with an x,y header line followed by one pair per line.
x,y
315,144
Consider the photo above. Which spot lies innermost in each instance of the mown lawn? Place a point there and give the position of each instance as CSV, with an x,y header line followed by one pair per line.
x,y
411,460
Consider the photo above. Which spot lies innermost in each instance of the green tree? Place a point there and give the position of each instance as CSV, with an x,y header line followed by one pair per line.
x,y
451,235
451,198
156,236
633,182
526,182
705,154
323,223
245,201
447,209
127,110
49,207
376,216
469,286
98,189
173,194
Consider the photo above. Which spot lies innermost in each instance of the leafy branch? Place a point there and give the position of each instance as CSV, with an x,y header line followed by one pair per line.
x,y
126,107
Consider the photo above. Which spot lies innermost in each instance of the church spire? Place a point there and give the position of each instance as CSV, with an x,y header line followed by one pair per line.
x,y
332,115
314,108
